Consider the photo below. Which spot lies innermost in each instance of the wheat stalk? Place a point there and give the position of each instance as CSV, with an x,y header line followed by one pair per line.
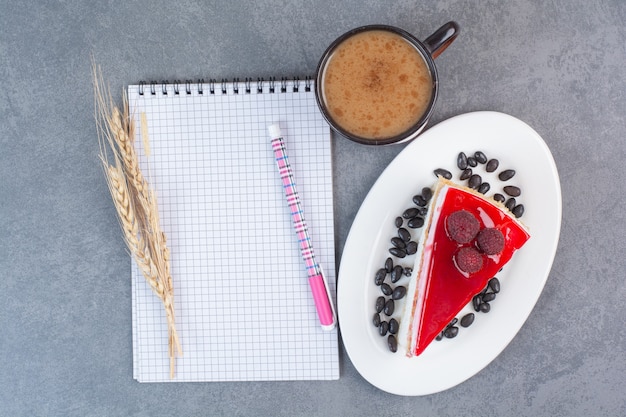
x,y
135,203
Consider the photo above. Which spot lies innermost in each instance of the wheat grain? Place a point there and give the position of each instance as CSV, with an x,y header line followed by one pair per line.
x,y
130,228
135,203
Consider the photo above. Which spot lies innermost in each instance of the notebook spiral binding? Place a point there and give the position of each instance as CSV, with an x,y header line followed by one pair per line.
x,y
224,86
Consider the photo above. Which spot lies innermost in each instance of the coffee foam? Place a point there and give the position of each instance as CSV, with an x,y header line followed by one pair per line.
x,y
377,85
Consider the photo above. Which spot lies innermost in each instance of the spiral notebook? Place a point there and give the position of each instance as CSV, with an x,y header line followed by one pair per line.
x,y
244,310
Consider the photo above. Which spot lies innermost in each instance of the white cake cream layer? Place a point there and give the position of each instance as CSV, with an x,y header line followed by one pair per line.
x,y
410,321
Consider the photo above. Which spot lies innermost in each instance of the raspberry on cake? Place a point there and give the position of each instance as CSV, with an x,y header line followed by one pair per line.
x,y
490,240
462,226
466,240
468,260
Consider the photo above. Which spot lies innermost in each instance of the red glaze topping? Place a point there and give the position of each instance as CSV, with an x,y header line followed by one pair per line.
x,y
448,288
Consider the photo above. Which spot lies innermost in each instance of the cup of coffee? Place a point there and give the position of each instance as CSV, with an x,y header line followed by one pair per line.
x,y
377,84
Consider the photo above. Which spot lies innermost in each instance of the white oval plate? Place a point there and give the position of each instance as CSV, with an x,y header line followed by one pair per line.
x,y
447,363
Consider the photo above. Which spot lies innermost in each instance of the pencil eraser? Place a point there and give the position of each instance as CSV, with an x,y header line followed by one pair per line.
x,y
274,130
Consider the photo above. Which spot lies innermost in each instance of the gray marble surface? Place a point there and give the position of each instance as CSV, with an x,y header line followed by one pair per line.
x,y
65,329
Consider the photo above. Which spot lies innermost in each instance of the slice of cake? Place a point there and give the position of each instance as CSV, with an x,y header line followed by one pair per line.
x,y
466,240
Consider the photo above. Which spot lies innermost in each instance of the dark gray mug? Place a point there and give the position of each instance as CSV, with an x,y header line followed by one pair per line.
x,y
366,75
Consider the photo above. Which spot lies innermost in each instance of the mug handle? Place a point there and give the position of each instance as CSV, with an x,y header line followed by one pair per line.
x,y
442,38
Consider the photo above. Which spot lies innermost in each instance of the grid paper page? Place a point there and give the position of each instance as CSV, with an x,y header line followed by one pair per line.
x,y
244,310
